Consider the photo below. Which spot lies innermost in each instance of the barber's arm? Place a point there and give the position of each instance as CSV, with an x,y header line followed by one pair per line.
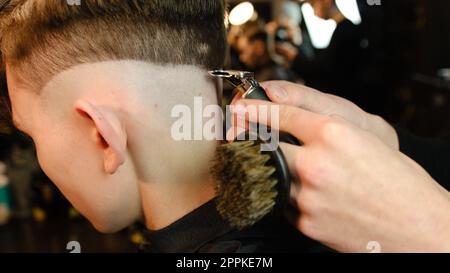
x,y
353,186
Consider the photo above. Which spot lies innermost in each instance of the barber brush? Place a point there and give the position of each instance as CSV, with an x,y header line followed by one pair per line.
x,y
251,183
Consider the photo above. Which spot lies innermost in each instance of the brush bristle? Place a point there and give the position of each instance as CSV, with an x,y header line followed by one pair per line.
x,y
245,186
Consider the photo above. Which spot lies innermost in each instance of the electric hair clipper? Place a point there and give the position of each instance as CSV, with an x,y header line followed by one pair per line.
x,y
245,83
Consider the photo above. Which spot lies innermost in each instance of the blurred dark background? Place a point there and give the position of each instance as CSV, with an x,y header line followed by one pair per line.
x,y
397,71
392,62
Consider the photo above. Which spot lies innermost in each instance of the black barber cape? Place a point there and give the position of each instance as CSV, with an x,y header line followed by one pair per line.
x,y
204,231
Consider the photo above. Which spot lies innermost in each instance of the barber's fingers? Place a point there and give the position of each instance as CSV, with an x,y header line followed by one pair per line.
x,y
284,92
298,122
289,93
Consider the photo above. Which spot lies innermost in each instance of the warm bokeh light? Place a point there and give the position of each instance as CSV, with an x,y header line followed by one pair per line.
x,y
242,13
320,30
349,8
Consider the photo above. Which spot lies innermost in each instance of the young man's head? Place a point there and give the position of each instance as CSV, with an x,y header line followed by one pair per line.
x,y
94,85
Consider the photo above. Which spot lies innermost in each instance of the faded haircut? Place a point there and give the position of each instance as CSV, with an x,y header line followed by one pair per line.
x,y
41,38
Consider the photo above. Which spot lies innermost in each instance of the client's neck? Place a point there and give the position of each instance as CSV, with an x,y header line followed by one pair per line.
x,y
164,206
177,186
174,175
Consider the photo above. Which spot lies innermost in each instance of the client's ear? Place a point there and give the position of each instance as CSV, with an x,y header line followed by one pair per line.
x,y
107,133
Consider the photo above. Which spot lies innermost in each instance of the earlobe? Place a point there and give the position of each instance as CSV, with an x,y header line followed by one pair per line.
x,y
109,129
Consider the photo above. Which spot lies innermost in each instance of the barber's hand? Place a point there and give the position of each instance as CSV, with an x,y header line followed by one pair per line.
x,y
287,93
352,189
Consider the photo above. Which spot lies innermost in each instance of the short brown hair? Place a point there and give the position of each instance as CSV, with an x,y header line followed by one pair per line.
x,y
43,37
